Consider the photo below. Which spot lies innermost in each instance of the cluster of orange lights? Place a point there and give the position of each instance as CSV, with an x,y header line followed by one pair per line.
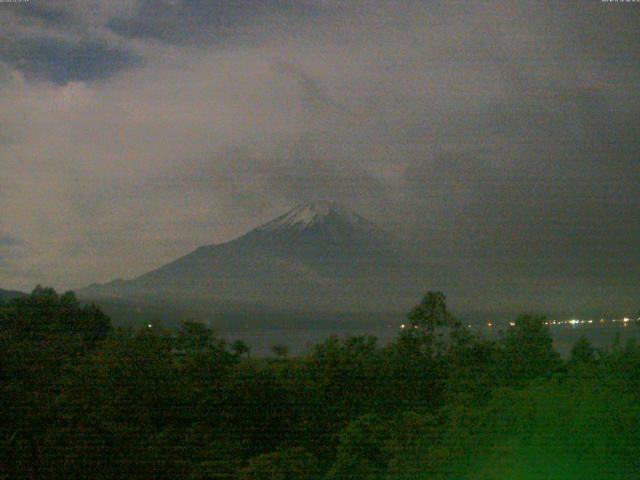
x,y
573,322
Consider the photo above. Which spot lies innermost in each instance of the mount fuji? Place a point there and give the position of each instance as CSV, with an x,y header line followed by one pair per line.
x,y
319,256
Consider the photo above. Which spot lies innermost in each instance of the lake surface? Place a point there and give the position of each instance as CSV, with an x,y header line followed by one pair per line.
x,y
300,340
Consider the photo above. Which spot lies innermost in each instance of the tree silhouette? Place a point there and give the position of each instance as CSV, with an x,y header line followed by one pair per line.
x,y
239,348
280,351
425,318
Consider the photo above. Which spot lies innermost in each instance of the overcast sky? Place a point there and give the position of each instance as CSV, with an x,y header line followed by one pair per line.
x,y
501,138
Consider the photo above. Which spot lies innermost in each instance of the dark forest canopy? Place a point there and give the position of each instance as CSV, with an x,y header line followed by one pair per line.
x,y
80,399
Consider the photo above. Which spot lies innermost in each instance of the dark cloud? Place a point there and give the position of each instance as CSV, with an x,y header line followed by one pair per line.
x,y
55,15
61,61
186,22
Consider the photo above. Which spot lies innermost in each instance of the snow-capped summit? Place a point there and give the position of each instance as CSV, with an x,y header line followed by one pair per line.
x,y
309,214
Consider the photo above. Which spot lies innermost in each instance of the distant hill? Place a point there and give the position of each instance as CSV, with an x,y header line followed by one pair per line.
x,y
6,295
318,257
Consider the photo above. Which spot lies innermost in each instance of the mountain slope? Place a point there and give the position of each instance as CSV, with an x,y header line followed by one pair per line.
x,y
6,295
318,256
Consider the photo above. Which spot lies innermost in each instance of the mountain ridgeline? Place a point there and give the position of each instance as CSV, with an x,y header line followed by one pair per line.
x,y
318,257
6,295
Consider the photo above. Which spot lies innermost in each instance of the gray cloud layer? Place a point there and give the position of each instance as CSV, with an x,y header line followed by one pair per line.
x,y
501,139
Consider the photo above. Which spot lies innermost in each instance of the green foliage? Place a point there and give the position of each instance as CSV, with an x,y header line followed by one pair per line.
x,y
255,410
582,352
240,348
410,435
331,387
194,336
558,431
122,409
289,464
361,452
280,351
431,312
78,400
622,366
473,369
527,351
45,314
42,336
427,321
